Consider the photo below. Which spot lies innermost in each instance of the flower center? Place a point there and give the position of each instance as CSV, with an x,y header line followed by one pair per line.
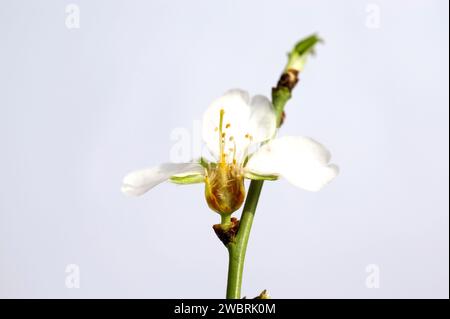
x,y
224,182
227,142
224,188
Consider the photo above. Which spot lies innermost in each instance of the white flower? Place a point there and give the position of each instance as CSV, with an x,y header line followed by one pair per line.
x,y
233,126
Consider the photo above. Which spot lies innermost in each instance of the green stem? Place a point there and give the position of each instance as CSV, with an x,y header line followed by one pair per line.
x,y
225,219
237,248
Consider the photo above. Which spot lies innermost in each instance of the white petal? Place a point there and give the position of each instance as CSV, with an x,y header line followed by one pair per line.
x,y
235,104
139,182
238,94
243,118
262,122
301,160
312,179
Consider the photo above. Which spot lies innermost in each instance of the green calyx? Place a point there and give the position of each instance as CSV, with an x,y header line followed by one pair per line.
x,y
259,177
188,179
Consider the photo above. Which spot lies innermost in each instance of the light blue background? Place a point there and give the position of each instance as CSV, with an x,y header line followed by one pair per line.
x,y
79,108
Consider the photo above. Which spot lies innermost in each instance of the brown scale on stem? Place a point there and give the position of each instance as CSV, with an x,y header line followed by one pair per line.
x,y
288,79
227,233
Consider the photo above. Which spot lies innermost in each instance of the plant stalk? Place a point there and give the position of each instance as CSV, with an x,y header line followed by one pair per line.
x,y
237,248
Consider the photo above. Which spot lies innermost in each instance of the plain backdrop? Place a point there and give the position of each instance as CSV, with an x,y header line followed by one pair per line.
x,y
81,107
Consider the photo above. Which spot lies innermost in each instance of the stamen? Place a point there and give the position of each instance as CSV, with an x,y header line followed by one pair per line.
x,y
221,137
228,125
234,150
250,139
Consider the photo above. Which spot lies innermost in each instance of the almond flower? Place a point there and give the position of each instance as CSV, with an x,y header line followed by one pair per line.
x,y
234,127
